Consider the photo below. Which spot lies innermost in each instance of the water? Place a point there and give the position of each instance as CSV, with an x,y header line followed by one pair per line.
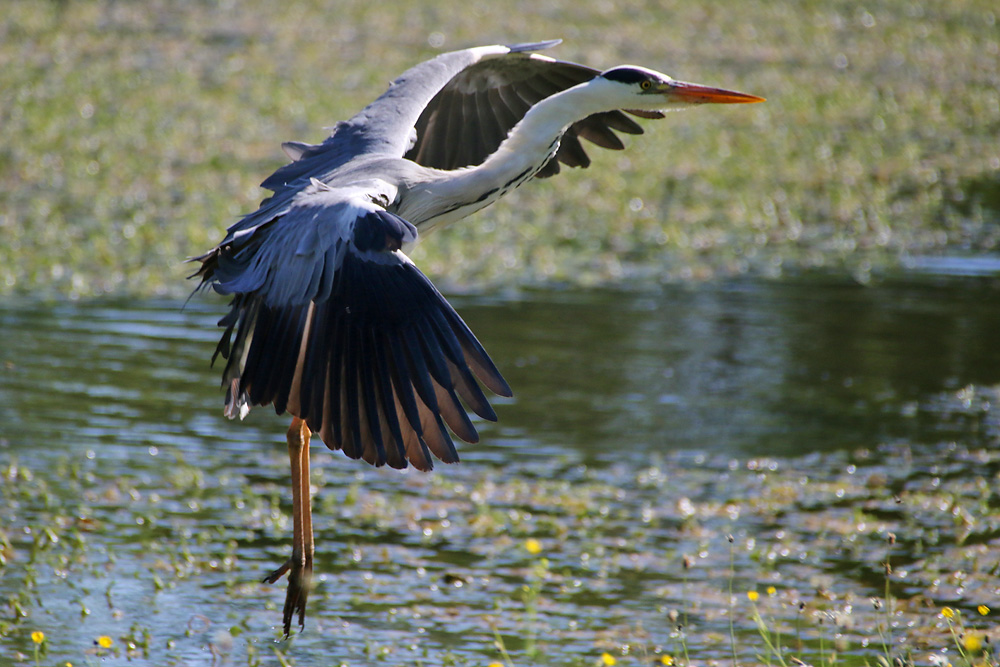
x,y
805,420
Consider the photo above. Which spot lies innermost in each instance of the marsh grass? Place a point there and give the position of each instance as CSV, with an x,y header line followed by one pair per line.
x,y
771,638
523,612
972,647
132,134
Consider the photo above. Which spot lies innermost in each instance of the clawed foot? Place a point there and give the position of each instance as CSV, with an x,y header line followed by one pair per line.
x,y
299,583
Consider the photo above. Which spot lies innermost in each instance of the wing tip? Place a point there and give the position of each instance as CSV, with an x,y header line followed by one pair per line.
x,y
502,388
527,47
236,402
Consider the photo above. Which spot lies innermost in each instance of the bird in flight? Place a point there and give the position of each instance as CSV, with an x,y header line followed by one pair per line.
x,y
331,321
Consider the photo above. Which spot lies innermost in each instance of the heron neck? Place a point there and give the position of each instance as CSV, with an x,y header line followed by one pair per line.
x,y
535,139
528,147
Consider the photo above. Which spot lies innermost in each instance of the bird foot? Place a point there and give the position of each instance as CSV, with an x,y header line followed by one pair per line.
x,y
299,584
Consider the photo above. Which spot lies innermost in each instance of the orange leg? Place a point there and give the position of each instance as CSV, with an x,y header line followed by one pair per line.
x,y
300,565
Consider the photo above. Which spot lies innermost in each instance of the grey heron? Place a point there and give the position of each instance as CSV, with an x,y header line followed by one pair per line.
x,y
331,322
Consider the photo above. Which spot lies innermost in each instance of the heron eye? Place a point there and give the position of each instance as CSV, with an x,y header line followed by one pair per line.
x,y
646,83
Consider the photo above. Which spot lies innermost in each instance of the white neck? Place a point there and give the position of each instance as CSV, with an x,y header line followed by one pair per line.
x,y
529,146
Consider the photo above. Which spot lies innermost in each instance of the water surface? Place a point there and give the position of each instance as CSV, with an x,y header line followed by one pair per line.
x,y
666,447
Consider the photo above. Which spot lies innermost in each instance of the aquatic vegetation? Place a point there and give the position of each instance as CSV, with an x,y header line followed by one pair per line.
x,y
818,615
38,639
131,137
533,546
973,645
134,517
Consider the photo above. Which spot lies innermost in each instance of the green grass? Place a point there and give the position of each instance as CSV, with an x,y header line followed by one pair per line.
x,y
792,580
132,134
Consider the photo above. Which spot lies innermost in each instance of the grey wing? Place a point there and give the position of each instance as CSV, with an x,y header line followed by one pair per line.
x,y
332,322
386,125
474,112
383,127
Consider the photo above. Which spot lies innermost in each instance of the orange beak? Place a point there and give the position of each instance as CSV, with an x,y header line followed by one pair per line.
x,y
693,93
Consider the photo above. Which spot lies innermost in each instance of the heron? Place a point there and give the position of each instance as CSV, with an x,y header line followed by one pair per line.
x,y
331,322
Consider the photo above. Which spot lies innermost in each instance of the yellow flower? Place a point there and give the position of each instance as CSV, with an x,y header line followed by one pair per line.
x,y
948,613
973,643
495,664
753,596
607,659
983,610
666,660
533,546
38,636
105,642
771,591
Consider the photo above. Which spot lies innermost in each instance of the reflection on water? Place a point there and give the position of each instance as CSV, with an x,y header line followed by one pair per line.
x,y
747,368
118,398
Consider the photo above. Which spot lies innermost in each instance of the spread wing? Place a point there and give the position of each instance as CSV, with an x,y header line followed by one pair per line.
x,y
454,110
474,112
332,322
386,125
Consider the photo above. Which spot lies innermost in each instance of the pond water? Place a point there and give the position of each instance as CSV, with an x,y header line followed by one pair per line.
x,y
668,450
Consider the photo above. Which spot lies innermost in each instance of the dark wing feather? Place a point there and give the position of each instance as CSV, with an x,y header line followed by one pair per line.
x,y
462,105
475,111
382,128
342,330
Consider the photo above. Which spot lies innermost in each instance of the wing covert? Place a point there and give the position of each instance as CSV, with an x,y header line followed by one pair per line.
x,y
475,111
386,125
333,323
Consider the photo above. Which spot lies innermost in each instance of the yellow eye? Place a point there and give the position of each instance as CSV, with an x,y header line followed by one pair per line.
x,y
646,83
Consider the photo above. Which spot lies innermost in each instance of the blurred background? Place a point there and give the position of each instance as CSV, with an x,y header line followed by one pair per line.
x,y
755,351
133,133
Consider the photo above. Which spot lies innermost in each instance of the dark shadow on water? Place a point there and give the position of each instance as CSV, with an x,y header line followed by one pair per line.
x,y
805,418
748,368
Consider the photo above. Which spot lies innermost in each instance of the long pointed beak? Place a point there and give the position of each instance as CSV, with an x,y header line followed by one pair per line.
x,y
693,93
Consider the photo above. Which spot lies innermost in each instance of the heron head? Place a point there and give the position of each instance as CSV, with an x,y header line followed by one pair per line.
x,y
648,89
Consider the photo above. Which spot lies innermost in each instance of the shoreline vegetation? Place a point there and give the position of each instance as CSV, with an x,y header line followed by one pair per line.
x,y
820,574
132,134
